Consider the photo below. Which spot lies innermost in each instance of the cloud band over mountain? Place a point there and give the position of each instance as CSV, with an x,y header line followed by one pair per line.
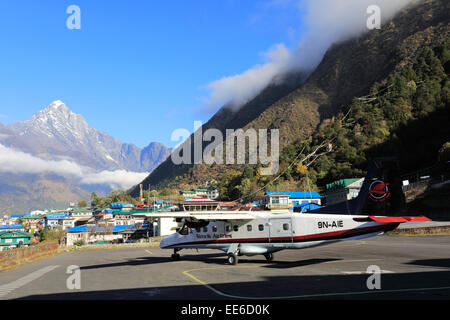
x,y
15,161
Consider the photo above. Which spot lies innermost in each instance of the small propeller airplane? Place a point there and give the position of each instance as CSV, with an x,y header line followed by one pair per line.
x,y
252,233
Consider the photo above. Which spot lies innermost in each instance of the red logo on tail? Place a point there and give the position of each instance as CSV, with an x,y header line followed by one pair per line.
x,y
379,191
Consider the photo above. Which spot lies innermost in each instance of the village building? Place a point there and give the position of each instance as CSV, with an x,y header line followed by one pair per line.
x,y
127,218
294,197
68,223
14,239
78,234
199,204
80,213
104,216
55,220
212,193
342,190
34,222
14,217
92,234
166,226
275,201
12,227
289,199
229,205
194,193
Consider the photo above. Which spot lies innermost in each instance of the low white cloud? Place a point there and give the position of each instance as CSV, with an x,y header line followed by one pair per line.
x,y
325,22
241,88
118,179
15,161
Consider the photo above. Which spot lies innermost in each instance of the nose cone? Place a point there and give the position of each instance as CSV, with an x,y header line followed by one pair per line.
x,y
167,241
163,243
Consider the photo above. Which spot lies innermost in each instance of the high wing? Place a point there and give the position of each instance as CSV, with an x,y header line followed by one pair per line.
x,y
202,215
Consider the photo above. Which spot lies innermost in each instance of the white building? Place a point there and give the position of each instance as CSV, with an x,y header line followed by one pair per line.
x,y
69,223
213,193
166,226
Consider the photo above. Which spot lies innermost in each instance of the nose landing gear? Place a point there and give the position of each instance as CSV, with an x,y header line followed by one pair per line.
x,y
175,255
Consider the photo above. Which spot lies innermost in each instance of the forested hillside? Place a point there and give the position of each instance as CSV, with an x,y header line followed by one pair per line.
x,y
368,96
407,115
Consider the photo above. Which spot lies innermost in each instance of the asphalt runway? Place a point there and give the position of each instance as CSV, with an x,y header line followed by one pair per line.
x,y
410,268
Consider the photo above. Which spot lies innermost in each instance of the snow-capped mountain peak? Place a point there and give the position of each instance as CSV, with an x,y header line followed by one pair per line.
x,y
57,120
57,131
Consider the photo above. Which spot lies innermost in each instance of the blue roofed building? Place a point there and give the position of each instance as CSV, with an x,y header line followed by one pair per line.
x,y
12,227
92,234
15,217
296,197
56,220
121,205
306,207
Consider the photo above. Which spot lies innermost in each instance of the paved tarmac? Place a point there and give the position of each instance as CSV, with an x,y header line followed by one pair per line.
x,y
410,268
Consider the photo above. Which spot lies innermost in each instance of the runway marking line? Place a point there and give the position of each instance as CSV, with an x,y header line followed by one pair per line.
x,y
16,284
148,251
318,295
361,260
364,272
187,273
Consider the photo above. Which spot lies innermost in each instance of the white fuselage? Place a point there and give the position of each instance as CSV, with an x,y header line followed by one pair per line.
x,y
270,232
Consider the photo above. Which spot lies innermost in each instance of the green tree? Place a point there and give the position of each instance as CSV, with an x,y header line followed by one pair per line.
x,y
444,153
82,203
53,235
95,200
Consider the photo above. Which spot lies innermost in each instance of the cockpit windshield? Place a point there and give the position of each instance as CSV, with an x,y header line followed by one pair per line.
x,y
184,230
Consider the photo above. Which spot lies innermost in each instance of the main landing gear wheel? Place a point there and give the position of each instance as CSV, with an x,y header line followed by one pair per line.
x,y
232,259
269,257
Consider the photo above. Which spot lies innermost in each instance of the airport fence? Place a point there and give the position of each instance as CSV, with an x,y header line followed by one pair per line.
x,y
153,242
15,257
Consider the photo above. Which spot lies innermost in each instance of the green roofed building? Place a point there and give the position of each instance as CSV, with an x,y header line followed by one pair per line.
x,y
210,193
194,193
14,239
342,190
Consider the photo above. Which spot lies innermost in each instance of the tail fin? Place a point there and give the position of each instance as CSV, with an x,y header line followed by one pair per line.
x,y
380,194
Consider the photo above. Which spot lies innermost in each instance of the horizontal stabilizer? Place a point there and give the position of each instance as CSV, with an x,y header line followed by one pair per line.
x,y
419,218
398,219
388,219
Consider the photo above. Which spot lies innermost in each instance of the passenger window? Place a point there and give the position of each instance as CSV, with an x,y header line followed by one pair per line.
x,y
286,226
235,228
261,227
198,230
249,227
214,228
228,228
205,229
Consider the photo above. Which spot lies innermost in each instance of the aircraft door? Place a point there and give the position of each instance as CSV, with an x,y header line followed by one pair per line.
x,y
280,230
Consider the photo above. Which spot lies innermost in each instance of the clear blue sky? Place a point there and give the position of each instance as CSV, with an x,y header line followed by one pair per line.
x,y
135,69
